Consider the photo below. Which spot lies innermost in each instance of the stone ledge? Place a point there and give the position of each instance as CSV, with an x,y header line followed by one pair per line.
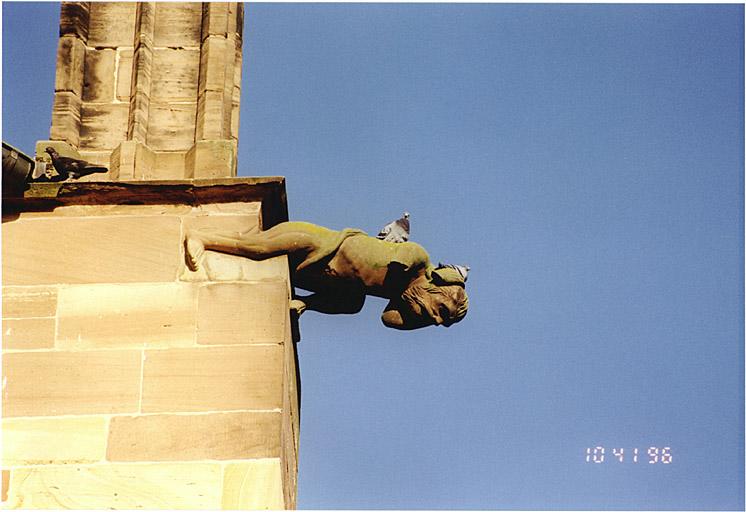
x,y
196,192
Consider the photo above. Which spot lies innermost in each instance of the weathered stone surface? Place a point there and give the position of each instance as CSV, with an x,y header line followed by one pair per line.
x,y
216,62
131,160
23,302
290,424
64,440
70,65
168,486
102,210
139,107
99,75
6,484
126,316
230,222
219,18
171,126
98,158
253,485
211,159
124,249
56,383
175,74
242,313
103,126
212,118
74,18
171,437
214,378
178,24
165,165
122,161
269,190
112,24
125,60
242,208
28,333
145,24
66,115
226,267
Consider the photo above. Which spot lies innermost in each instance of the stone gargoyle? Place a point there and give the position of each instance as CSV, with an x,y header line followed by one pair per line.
x,y
342,267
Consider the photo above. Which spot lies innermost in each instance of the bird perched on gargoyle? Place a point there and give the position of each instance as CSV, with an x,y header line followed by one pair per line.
x,y
396,231
71,168
463,270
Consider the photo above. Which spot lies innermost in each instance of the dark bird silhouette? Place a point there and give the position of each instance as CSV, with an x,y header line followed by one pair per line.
x,y
72,168
396,231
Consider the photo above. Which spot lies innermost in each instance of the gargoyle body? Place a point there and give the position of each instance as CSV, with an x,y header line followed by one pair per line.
x,y
342,267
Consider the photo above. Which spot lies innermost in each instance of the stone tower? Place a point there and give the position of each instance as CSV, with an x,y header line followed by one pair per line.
x,y
128,380
150,89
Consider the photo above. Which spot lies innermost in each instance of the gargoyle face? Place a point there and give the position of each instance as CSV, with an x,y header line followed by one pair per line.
x,y
424,304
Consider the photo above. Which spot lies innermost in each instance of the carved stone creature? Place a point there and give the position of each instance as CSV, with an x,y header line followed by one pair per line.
x,y
396,231
71,168
342,267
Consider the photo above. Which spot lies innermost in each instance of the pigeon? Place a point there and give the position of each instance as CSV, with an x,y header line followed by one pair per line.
x,y
72,168
461,269
396,231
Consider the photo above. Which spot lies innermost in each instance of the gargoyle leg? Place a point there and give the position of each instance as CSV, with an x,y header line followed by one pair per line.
x,y
254,245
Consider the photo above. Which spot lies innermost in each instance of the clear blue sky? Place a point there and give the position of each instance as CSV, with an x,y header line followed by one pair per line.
x,y
586,161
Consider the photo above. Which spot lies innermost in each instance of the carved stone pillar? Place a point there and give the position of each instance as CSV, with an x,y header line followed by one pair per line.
x,y
150,90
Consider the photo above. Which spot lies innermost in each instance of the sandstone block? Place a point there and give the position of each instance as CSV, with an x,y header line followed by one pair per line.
x,y
28,333
74,18
231,222
171,126
175,74
70,65
98,158
131,160
56,383
105,210
211,159
219,18
139,108
178,24
112,24
103,126
227,267
212,379
99,74
182,437
122,161
211,116
253,485
190,486
22,302
126,316
67,440
142,66
242,313
145,24
91,250
252,209
216,61
125,60
6,484
66,112
160,166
